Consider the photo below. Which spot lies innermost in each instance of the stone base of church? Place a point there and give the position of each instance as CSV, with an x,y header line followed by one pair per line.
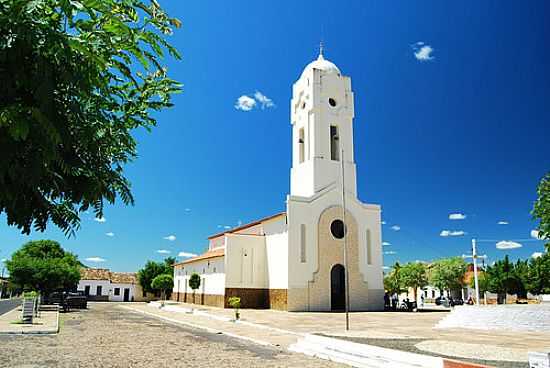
x,y
258,298
200,299
250,298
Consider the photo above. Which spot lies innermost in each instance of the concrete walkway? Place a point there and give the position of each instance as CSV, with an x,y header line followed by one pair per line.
x,y
47,323
284,329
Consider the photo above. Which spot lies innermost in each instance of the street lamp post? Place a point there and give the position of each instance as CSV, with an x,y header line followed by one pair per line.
x,y
474,257
346,273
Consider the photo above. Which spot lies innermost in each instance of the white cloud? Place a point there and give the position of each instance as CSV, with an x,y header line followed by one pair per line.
x,y
396,227
536,255
383,222
263,100
188,210
446,233
507,244
100,219
111,234
227,227
94,259
385,268
535,235
457,216
503,222
163,251
3,260
423,52
386,243
186,254
170,237
390,252
245,103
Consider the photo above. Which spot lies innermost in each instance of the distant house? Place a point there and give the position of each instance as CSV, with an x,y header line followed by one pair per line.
x,y
101,284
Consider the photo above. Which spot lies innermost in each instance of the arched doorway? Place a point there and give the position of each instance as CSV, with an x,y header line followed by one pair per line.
x,y
337,288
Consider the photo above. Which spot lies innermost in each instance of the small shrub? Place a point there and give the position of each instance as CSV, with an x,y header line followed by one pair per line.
x,y
235,303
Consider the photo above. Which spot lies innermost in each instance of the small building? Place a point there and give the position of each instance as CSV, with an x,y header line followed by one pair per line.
x,y
101,284
295,260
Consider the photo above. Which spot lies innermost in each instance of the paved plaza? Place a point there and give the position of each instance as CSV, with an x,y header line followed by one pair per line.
x,y
399,330
106,335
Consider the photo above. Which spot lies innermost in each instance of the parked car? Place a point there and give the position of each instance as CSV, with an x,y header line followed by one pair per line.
x,y
448,301
67,300
408,306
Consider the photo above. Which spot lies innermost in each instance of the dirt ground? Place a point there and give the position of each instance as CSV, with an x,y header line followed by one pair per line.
x,y
108,336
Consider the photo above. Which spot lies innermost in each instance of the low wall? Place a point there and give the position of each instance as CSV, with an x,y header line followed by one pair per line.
x,y
250,298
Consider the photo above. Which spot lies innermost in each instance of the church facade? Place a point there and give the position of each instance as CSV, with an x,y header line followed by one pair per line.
x,y
294,260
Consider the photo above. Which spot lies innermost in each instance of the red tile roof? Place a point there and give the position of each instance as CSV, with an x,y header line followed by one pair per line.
x,y
220,252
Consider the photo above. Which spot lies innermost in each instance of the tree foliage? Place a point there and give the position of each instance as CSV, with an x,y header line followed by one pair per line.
x,y
194,281
538,276
77,77
163,283
503,279
392,281
448,273
541,209
44,266
414,275
153,269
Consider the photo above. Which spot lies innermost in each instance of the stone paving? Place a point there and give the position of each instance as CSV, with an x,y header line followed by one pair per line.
x,y
107,335
514,345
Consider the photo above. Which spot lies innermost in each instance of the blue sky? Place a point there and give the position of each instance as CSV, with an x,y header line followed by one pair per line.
x,y
460,127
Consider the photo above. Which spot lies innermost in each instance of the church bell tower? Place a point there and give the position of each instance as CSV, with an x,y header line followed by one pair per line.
x,y
322,127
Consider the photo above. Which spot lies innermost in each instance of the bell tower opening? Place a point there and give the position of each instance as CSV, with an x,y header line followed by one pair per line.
x,y
322,114
334,144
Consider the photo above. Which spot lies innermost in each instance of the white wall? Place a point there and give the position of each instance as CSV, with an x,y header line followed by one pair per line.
x,y
276,242
307,211
120,297
245,261
211,271
105,286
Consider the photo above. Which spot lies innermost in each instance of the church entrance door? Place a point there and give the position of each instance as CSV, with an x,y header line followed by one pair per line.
x,y
337,288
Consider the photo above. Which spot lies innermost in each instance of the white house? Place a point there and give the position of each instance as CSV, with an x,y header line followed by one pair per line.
x,y
295,260
100,284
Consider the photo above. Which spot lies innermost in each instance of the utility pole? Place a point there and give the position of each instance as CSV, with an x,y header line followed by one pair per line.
x,y
474,256
346,274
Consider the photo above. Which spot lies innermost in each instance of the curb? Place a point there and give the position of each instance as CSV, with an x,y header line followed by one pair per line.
x,y
370,356
204,328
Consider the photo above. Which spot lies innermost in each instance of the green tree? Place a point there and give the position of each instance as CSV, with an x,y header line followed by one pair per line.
x,y
163,283
392,281
151,270
447,273
44,266
194,283
541,209
483,283
538,278
78,77
413,275
501,278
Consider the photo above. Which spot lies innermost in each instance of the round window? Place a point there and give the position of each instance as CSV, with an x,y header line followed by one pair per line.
x,y
332,102
337,229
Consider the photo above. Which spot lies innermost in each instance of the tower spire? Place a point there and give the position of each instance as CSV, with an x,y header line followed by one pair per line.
x,y
321,49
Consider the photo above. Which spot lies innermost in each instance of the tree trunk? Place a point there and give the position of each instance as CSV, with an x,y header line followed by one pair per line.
x,y
414,293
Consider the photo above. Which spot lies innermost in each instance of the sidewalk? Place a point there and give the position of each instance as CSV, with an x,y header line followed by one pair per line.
x,y
220,323
295,332
47,323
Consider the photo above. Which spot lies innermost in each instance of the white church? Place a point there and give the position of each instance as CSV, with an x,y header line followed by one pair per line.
x,y
294,260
